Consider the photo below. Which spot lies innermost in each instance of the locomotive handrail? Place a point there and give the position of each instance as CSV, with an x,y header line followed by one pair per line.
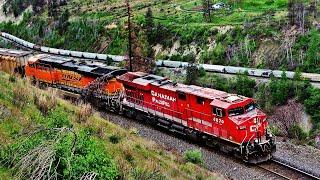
x,y
249,141
243,141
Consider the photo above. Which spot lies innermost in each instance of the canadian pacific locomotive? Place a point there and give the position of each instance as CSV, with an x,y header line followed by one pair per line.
x,y
232,122
228,121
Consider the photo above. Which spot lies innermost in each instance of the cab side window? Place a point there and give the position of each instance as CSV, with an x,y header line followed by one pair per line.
x,y
31,65
218,112
182,96
200,100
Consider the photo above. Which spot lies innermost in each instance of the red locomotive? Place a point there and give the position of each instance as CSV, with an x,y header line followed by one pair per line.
x,y
231,121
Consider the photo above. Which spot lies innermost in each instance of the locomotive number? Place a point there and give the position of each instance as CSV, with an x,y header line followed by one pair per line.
x,y
218,120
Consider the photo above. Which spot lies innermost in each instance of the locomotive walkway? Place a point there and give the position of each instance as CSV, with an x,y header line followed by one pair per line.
x,y
258,74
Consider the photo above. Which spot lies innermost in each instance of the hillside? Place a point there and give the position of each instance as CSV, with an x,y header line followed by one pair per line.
x,y
273,34
44,136
261,33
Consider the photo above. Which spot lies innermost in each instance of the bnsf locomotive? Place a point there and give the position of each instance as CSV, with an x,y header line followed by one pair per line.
x,y
228,121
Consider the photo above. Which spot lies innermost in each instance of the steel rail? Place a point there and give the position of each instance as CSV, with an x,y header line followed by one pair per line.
x,y
274,172
295,169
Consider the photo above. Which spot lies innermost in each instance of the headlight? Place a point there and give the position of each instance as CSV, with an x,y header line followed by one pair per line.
x,y
256,141
255,120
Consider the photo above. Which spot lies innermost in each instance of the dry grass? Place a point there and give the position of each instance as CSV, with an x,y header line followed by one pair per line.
x,y
21,95
85,112
45,102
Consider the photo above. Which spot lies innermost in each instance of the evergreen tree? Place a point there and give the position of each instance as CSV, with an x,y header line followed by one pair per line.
x,y
193,72
37,5
150,31
206,10
281,90
312,104
312,58
52,8
63,22
243,85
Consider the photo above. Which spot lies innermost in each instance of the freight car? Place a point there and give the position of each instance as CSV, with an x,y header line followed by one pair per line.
x,y
229,121
13,61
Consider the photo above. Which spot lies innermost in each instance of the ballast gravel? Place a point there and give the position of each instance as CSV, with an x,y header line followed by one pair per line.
x,y
214,161
305,158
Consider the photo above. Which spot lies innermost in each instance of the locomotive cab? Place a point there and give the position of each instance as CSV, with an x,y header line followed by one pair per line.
x,y
257,144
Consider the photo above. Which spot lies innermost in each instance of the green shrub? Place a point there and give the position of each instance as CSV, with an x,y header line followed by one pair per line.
x,y
12,78
89,156
58,118
275,130
296,132
115,139
193,156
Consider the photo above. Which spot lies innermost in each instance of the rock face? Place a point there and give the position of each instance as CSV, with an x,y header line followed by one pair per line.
x,y
317,139
283,117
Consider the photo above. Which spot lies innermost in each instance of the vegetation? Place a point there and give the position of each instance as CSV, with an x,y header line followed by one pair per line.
x,y
33,136
239,35
193,156
274,34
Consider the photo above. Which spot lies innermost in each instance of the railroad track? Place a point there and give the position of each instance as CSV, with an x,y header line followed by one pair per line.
x,y
285,171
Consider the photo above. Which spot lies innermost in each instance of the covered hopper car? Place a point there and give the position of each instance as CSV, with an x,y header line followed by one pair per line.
x,y
13,61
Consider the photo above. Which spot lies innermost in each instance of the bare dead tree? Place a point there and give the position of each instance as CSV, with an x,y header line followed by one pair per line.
x,y
42,162
284,118
88,176
38,163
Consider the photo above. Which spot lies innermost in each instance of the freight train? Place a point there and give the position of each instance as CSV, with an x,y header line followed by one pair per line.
x,y
265,73
231,122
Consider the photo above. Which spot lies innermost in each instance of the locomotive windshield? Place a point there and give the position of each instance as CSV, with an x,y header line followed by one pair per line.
x,y
241,110
249,107
236,111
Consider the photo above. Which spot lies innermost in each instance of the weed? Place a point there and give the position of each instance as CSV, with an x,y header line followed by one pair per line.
x,y
21,95
144,174
114,139
45,103
12,78
193,156
86,111
296,132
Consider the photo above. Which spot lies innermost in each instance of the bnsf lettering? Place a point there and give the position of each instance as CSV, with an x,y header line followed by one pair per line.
x,y
70,76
